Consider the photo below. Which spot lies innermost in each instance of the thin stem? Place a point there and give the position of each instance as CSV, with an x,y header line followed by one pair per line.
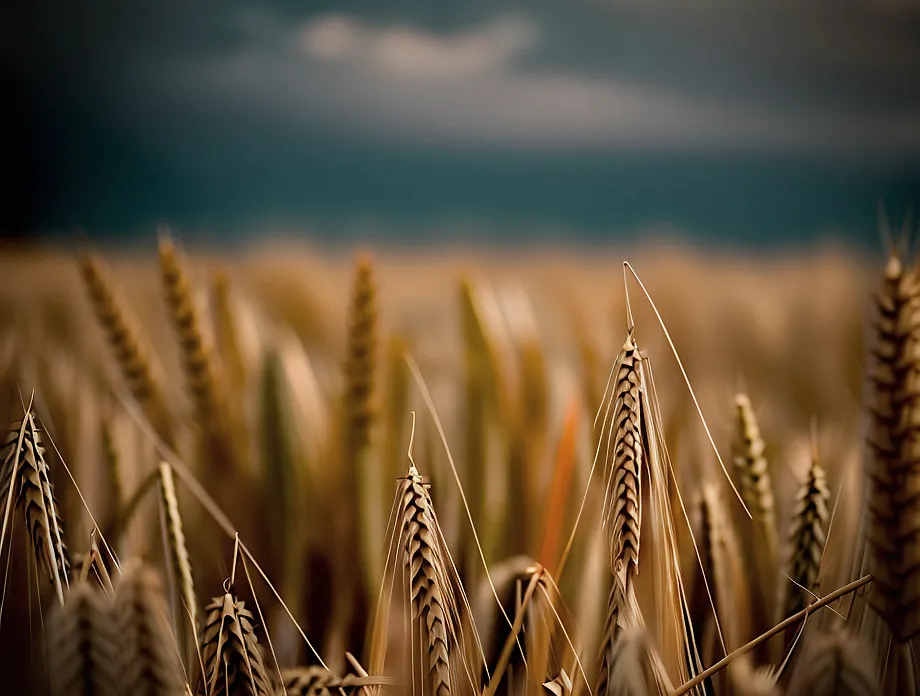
x,y
795,618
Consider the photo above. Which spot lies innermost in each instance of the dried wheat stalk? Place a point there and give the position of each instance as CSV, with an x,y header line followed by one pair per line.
x,y
318,681
231,653
834,665
83,645
893,531
149,661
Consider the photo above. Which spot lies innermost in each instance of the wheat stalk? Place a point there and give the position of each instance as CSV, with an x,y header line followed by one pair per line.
x,y
318,681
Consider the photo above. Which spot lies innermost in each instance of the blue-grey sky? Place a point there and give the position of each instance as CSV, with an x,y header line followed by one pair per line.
x,y
760,119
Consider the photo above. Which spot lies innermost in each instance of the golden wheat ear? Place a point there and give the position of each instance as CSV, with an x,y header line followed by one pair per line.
x,y
834,665
26,482
83,645
150,664
130,352
893,506
809,534
179,557
231,654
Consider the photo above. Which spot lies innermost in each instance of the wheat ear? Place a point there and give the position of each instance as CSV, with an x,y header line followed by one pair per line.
x,y
834,665
27,473
622,516
893,532
196,354
129,350
231,653
426,566
622,513
809,533
178,552
150,663
82,645
754,473
228,345
760,538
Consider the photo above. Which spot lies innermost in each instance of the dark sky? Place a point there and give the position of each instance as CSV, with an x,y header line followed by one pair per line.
x,y
760,119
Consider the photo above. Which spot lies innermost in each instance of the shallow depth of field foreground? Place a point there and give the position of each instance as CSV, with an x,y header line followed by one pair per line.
x,y
430,473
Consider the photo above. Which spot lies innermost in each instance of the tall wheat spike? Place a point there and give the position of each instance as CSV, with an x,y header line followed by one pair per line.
x,y
893,467
83,645
196,354
129,351
149,661
761,542
809,534
362,471
231,653
25,469
178,552
424,561
622,514
834,665
754,473
228,345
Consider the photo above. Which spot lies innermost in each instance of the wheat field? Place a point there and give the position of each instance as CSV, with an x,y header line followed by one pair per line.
x,y
293,470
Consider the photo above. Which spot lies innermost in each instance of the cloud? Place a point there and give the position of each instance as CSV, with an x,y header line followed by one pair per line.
x,y
474,87
405,51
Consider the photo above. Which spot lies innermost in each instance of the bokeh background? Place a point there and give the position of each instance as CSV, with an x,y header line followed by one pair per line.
x,y
753,123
